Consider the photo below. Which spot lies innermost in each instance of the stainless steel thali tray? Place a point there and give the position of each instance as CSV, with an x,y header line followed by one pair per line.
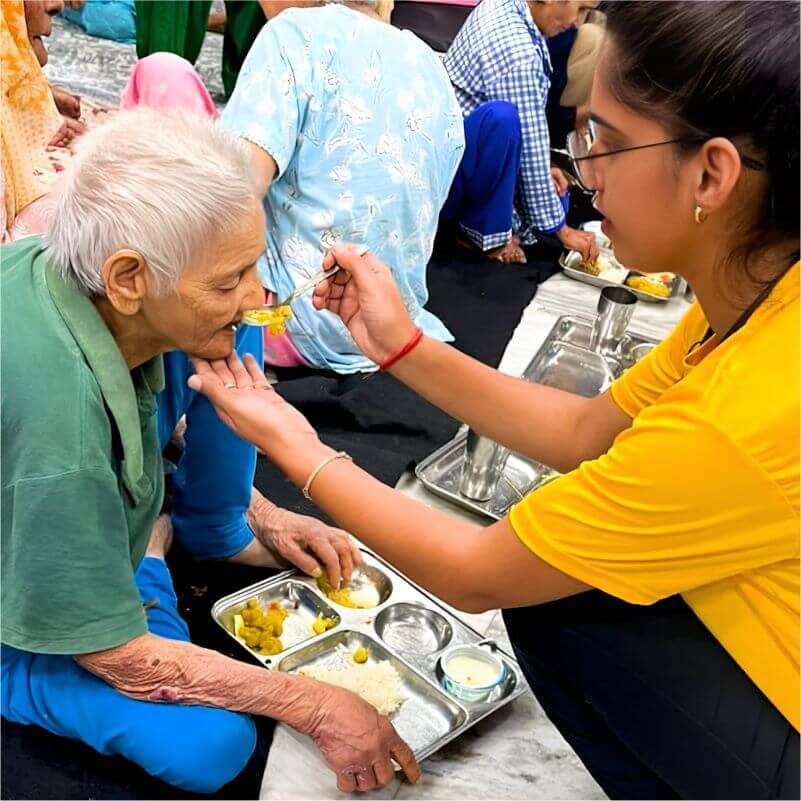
x,y
568,260
409,628
562,361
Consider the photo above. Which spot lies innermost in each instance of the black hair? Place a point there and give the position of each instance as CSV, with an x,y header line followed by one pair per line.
x,y
720,68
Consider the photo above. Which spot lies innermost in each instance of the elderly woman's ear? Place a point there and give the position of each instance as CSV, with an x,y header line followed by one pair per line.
x,y
125,279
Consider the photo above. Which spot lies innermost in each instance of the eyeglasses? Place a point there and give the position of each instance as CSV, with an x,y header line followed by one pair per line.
x,y
580,143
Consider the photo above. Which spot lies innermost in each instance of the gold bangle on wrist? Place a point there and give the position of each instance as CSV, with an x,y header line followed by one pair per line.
x,y
313,474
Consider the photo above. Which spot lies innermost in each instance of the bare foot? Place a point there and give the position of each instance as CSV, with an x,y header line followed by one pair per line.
x,y
160,537
510,253
178,437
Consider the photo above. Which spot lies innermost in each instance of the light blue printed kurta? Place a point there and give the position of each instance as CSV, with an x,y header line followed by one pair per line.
x,y
367,134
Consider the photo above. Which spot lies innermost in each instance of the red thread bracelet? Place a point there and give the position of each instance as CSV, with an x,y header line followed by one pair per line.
x,y
415,340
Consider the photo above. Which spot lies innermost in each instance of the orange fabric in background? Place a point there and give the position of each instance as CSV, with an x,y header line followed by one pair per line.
x,y
28,114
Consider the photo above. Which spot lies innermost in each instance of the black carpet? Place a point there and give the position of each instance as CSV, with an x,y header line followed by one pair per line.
x,y
384,426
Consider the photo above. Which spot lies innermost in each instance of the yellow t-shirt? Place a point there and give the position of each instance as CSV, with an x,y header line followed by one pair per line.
x,y
700,495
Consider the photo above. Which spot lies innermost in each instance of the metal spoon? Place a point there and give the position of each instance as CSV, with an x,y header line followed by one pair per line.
x,y
263,314
312,282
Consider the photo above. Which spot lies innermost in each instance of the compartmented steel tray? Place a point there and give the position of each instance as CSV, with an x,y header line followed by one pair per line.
x,y
409,628
562,362
569,259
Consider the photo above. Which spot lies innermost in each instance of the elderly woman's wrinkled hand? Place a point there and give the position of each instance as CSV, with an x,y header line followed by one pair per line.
x,y
305,542
365,296
358,744
247,404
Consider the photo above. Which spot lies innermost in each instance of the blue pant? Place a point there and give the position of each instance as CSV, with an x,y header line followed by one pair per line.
x,y
482,196
196,748
214,478
481,199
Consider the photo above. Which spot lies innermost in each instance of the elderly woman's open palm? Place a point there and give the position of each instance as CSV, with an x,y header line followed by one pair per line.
x,y
248,405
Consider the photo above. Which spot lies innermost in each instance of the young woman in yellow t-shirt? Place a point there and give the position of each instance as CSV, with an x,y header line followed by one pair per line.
x,y
673,667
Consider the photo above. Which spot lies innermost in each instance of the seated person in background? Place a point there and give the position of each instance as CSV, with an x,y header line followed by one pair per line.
x,y
29,117
574,54
39,23
107,19
179,27
355,135
81,657
500,54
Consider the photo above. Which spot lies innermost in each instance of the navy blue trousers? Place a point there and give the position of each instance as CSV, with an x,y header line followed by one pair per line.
x,y
651,702
481,200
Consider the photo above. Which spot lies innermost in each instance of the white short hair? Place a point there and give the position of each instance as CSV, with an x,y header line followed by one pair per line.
x,y
160,184
382,7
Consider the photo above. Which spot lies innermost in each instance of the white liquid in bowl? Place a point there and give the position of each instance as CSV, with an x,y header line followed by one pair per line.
x,y
472,672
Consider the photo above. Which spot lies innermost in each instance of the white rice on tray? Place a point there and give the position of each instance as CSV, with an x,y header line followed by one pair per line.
x,y
378,683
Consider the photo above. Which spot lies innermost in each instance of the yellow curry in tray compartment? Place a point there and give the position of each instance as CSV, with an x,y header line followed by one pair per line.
x,y
362,597
261,630
271,631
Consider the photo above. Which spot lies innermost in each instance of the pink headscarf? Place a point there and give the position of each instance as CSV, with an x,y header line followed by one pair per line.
x,y
166,82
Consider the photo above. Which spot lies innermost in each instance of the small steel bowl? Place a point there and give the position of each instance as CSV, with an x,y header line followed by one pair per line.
x,y
470,692
412,628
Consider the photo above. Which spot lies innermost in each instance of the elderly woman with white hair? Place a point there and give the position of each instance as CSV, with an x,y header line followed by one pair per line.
x,y
153,249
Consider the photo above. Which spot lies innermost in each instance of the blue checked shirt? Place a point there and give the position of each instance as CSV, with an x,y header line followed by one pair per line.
x,y
499,54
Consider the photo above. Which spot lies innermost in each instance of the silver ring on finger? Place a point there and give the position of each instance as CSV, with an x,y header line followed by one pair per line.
x,y
352,770
230,386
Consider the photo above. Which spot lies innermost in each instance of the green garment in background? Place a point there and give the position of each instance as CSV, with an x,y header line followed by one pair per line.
x,y
179,26
244,21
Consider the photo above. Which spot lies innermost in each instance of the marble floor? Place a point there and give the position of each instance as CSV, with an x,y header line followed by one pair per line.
x,y
99,68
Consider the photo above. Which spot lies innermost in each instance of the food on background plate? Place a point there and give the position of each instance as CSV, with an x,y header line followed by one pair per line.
x,y
605,266
377,682
649,285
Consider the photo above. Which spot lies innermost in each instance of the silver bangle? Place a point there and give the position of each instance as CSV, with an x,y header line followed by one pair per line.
x,y
313,474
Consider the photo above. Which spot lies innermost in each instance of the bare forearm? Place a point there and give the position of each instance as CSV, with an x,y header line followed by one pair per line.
x,y
428,546
537,421
151,668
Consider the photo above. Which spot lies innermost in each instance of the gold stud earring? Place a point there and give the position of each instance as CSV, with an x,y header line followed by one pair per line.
x,y
700,215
